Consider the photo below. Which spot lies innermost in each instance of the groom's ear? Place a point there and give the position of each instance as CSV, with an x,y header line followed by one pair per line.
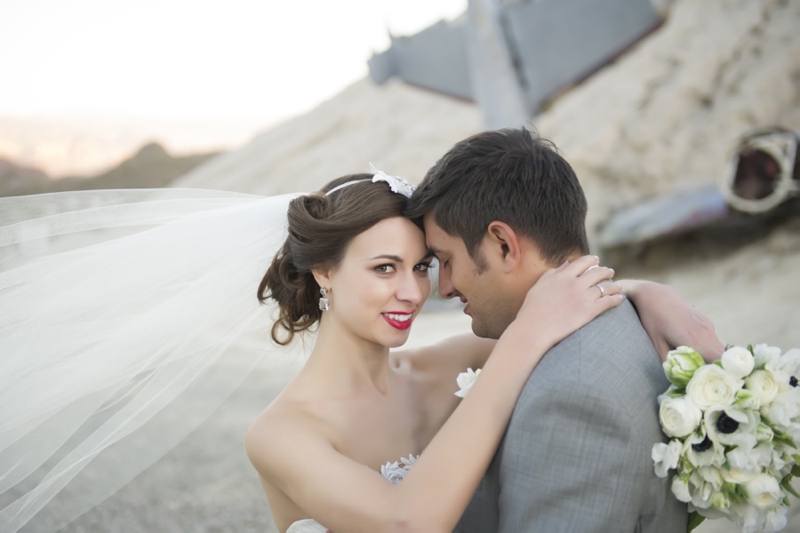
x,y
503,245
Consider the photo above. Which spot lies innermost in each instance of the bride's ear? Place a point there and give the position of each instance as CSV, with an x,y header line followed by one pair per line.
x,y
322,276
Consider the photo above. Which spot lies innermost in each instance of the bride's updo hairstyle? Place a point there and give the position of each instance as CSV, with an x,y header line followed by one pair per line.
x,y
320,228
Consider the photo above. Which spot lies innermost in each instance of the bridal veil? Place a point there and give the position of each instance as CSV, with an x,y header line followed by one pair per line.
x,y
116,309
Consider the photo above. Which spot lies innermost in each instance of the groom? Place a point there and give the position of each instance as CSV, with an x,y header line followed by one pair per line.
x,y
499,209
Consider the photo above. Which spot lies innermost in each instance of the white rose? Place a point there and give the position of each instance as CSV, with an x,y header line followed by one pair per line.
x,y
666,456
466,380
763,384
764,355
764,491
679,416
712,386
738,361
737,477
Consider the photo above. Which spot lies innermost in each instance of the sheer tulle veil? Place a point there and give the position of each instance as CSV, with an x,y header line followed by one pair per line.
x,y
117,309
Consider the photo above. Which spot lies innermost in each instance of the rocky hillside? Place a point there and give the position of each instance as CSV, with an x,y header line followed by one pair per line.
x,y
151,166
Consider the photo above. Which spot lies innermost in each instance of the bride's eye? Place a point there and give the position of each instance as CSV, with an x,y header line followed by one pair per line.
x,y
422,267
384,269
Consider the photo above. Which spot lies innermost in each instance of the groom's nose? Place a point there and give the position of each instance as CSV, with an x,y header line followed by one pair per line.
x,y
446,289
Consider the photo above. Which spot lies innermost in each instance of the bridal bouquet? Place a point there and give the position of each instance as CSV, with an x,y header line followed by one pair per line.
x,y
734,426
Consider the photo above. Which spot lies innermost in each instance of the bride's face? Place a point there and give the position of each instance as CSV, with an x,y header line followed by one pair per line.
x,y
382,282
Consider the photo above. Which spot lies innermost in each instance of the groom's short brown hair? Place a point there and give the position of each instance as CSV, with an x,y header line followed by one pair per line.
x,y
512,176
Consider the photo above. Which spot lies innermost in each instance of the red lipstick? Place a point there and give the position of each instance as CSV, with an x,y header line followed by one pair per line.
x,y
398,320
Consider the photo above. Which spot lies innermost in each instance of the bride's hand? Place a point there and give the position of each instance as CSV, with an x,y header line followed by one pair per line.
x,y
567,298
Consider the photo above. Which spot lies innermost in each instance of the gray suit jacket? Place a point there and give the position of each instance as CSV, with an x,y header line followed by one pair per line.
x,y
576,456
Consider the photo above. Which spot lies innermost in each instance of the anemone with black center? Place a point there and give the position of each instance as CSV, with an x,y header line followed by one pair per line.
x,y
726,424
793,381
703,446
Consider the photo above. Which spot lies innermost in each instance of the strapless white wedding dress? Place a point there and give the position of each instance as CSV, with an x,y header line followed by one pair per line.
x,y
393,472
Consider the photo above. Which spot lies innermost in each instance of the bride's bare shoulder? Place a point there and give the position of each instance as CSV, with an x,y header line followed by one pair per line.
x,y
283,422
445,358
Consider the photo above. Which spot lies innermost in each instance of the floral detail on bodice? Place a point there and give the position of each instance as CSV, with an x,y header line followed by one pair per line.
x,y
393,472
396,471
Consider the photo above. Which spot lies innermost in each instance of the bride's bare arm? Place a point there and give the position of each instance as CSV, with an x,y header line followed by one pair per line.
x,y
670,321
345,496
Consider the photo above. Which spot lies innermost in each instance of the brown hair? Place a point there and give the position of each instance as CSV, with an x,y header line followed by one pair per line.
x,y
320,228
513,176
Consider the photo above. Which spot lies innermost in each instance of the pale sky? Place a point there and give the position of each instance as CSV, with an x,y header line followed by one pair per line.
x,y
183,59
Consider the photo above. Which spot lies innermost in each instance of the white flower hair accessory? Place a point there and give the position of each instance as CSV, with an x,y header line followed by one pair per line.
x,y
397,184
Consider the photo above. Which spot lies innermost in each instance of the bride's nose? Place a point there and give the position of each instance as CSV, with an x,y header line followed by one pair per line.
x,y
409,290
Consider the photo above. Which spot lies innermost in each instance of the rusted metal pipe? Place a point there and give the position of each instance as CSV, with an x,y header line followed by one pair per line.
x,y
764,170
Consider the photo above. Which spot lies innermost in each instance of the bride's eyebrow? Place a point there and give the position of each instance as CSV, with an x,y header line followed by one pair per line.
x,y
388,256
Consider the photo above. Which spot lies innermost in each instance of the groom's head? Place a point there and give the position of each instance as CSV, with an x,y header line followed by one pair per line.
x,y
499,209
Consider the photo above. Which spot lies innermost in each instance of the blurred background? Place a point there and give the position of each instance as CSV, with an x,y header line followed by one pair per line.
x,y
679,117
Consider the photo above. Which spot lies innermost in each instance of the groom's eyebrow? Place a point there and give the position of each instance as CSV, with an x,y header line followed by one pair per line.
x,y
434,251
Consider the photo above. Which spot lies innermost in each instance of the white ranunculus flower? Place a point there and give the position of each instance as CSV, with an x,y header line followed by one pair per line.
x,y
712,386
666,456
764,355
466,380
764,491
680,489
681,365
679,416
762,383
738,361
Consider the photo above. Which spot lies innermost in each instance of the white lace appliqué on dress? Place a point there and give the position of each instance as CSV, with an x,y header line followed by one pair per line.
x,y
393,472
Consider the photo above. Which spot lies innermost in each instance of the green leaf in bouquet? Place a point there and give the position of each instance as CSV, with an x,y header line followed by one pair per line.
x,y
786,483
694,520
784,438
742,492
750,348
796,468
675,392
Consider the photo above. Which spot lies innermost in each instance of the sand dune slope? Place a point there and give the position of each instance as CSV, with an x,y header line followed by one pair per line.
x,y
401,129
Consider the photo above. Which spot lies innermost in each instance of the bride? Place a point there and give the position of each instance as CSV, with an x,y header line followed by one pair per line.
x,y
332,449
120,311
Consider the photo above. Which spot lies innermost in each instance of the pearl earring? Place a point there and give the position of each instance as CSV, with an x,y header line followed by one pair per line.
x,y
324,303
